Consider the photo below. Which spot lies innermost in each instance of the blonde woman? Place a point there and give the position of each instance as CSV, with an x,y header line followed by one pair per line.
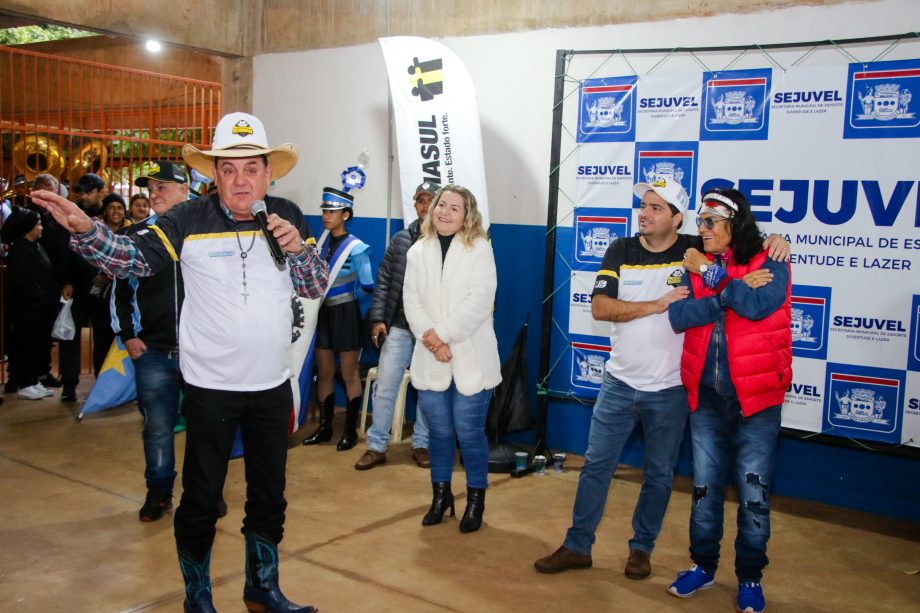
x,y
448,296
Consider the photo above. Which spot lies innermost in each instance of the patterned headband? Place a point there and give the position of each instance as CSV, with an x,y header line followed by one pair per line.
x,y
723,199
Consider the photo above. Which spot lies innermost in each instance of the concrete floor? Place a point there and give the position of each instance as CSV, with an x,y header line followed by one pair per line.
x,y
70,538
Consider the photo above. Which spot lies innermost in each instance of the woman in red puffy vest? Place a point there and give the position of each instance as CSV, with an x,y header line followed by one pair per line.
x,y
736,366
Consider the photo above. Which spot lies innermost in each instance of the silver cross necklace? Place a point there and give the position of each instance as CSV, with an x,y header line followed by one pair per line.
x,y
243,254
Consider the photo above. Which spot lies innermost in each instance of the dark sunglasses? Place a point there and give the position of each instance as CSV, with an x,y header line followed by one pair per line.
x,y
709,222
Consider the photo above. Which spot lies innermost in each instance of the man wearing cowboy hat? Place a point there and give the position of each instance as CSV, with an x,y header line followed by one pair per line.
x,y
234,328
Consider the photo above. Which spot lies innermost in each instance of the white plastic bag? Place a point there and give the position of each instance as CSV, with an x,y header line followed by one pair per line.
x,y
64,328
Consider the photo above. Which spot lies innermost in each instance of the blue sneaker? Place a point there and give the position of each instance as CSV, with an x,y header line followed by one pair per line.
x,y
689,581
750,598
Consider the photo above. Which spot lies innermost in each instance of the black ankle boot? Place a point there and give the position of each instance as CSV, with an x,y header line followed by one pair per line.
x,y
442,500
262,593
197,575
475,505
350,435
323,434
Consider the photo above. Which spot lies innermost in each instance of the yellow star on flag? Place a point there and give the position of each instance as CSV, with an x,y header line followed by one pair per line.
x,y
114,359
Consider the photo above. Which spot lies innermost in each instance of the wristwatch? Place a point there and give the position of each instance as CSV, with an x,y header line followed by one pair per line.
x,y
704,268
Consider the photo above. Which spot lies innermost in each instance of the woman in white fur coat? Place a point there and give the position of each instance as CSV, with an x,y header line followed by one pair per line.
x,y
448,295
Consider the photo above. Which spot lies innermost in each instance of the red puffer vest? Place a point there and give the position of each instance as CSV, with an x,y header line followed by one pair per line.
x,y
759,352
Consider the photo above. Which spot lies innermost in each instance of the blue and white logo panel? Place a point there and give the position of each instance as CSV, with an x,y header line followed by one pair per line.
x,y
674,161
881,101
810,321
595,229
607,110
588,360
913,356
864,402
736,105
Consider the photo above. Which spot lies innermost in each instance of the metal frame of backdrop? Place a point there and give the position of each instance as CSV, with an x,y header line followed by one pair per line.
x,y
876,47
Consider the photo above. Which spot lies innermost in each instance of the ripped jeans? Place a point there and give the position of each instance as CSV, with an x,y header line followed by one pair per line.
x,y
725,440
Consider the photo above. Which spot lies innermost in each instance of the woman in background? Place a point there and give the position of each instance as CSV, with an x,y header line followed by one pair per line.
x,y
31,299
448,296
338,324
139,208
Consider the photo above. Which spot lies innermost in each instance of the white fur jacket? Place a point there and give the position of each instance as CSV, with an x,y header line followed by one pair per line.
x,y
457,302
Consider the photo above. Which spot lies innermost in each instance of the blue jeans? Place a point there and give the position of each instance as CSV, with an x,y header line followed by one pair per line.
x,y
158,385
395,356
452,417
619,407
722,439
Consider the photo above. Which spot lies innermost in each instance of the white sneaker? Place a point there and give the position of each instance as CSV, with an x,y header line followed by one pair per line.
x,y
44,389
33,392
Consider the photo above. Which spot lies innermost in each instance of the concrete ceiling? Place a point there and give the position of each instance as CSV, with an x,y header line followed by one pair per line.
x,y
243,28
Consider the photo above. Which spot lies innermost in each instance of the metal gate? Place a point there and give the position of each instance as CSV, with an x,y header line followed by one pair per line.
x,y
67,117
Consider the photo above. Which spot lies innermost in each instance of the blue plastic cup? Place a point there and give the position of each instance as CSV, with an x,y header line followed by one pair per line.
x,y
520,460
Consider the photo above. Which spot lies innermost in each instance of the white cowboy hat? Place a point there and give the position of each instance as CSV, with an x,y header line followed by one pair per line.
x,y
240,135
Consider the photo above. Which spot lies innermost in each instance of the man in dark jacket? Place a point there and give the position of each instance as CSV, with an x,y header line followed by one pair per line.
x,y
145,317
78,278
388,323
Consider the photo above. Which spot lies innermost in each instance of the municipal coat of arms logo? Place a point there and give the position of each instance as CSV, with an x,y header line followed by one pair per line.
x,y
607,109
864,402
590,369
595,229
861,405
810,320
801,326
663,171
885,102
880,100
588,365
736,105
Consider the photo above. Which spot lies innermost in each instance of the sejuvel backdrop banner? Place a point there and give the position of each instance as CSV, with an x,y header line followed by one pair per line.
x,y
828,158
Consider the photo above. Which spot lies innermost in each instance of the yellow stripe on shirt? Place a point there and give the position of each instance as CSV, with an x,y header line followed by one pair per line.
x,y
608,273
166,243
651,266
213,235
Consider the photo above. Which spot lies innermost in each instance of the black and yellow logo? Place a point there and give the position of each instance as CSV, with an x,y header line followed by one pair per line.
x,y
675,277
241,128
425,78
154,168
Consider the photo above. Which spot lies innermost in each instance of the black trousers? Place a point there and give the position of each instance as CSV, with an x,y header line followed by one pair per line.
x,y
86,309
29,346
212,417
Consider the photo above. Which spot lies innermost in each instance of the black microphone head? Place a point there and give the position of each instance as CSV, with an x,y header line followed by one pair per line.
x,y
258,207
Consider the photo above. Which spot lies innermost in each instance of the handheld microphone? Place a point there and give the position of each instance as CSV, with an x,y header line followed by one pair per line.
x,y
258,211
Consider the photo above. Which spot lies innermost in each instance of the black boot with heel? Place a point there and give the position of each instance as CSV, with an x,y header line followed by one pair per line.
x,y
442,500
196,570
262,593
323,434
475,505
350,435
